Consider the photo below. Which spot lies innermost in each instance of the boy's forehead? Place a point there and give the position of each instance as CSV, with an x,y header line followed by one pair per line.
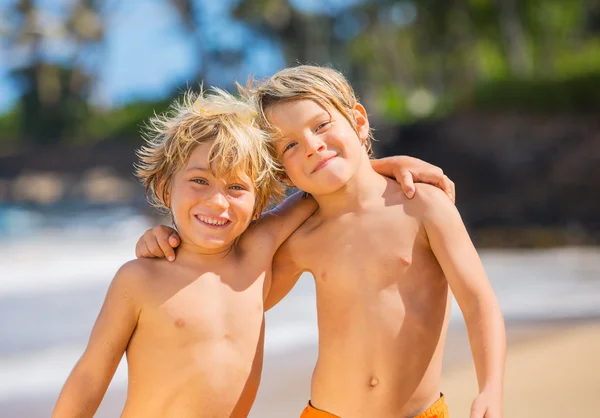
x,y
294,112
200,160
200,154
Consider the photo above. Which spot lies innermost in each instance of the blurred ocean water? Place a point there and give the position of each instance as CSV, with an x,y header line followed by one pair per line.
x,y
54,274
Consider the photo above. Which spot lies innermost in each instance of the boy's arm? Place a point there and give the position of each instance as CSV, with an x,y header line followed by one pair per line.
x,y
87,383
409,170
276,224
462,267
285,274
161,240
279,223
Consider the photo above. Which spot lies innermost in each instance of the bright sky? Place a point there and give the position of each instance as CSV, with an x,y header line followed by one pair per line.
x,y
147,53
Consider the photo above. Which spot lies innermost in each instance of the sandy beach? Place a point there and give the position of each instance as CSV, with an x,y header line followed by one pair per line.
x,y
552,372
550,299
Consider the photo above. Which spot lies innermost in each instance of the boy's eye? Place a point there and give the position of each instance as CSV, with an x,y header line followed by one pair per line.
x,y
322,125
289,146
200,181
237,187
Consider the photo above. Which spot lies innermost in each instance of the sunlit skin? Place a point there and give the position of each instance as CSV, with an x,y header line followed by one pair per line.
x,y
381,294
382,265
192,329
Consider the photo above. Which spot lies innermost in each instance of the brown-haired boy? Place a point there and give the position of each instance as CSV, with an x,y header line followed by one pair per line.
x,y
382,263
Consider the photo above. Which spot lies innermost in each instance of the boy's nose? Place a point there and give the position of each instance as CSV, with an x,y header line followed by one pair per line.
x,y
313,146
217,200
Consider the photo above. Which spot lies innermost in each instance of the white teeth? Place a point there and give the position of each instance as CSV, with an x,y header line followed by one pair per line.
x,y
212,221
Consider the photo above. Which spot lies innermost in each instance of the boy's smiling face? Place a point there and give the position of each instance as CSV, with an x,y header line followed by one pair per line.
x,y
318,147
210,213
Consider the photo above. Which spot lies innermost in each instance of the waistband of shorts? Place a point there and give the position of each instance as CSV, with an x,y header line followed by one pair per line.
x,y
438,409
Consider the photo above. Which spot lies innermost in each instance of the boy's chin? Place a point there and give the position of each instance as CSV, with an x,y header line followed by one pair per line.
x,y
212,244
324,189
328,185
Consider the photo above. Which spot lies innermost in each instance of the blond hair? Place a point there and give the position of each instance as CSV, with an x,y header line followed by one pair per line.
x,y
239,146
326,86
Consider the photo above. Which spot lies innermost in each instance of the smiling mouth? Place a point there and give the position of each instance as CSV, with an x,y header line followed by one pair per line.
x,y
211,222
323,164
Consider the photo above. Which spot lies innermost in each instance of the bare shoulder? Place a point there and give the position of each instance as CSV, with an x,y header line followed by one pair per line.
x,y
135,275
306,230
301,239
259,240
429,202
255,242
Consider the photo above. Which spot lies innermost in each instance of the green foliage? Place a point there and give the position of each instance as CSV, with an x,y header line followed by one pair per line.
x,y
10,124
125,122
577,94
407,59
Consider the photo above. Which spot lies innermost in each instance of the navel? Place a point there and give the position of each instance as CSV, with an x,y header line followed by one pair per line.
x,y
374,382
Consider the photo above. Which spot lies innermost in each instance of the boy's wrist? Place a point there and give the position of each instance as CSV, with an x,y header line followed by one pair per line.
x,y
492,388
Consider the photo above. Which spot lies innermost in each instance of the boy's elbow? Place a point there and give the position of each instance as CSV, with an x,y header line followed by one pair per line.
x,y
481,307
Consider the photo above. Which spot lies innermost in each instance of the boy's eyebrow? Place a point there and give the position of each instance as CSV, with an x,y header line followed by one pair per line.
x,y
279,136
312,118
197,167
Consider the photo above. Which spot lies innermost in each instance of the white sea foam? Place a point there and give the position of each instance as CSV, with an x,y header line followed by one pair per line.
x,y
51,288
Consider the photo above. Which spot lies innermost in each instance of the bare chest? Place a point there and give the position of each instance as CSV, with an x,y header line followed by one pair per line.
x,y
208,308
359,245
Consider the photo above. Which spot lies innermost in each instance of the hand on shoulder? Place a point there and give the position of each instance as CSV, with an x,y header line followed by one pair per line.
x,y
431,204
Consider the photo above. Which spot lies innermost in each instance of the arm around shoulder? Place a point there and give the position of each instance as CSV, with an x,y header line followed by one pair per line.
x,y
87,383
279,223
285,274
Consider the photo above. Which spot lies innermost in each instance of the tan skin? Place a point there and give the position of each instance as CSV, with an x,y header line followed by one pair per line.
x,y
194,342
383,265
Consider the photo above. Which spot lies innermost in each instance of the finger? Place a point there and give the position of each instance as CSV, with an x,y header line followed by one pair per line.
x,y
144,251
154,248
436,178
174,240
138,254
166,249
448,187
405,179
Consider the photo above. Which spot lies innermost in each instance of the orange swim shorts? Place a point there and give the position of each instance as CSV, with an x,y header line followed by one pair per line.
x,y
438,410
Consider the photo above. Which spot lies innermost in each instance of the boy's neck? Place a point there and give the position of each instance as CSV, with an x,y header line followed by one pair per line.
x,y
365,187
197,253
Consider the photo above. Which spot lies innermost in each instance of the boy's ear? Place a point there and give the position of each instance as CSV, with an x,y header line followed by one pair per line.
x,y
362,121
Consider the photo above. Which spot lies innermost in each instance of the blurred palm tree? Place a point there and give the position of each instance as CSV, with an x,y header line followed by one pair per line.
x,y
394,51
54,89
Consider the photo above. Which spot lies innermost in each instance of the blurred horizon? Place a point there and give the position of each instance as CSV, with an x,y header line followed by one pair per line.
x,y
503,95
408,60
